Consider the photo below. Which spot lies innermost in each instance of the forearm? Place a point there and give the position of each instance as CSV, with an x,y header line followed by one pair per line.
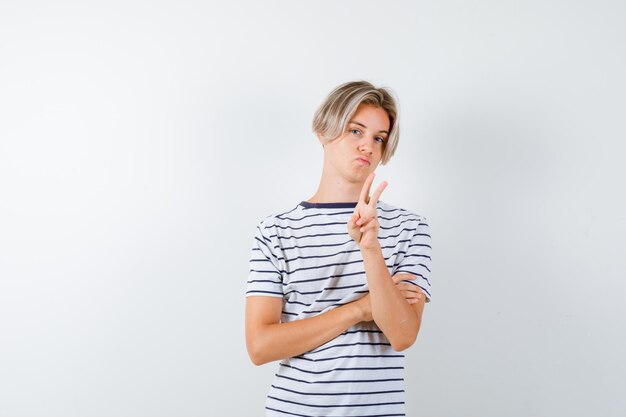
x,y
277,341
394,316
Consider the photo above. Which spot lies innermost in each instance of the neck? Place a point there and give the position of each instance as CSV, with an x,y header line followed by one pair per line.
x,y
336,189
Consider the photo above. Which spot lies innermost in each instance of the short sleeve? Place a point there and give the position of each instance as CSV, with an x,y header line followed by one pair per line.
x,y
265,277
417,259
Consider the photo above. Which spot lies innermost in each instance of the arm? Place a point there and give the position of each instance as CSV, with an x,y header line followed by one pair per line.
x,y
267,339
399,321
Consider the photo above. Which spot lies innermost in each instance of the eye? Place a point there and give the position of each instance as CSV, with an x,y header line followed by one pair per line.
x,y
379,139
355,131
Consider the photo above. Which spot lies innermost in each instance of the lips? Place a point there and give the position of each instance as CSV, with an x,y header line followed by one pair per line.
x,y
363,161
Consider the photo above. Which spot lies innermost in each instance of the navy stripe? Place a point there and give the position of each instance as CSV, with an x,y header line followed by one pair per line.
x,y
314,215
408,265
287,412
276,226
401,231
325,289
261,233
332,305
327,245
264,280
305,226
392,210
401,270
362,331
307,268
342,369
263,242
297,302
287,212
350,344
334,405
337,234
308,205
264,292
400,356
306,236
340,393
387,258
322,256
398,225
352,251
423,289
396,245
307,415
421,256
419,244
304,292
325,278
344,381
344,287
354,332
262,271
417,218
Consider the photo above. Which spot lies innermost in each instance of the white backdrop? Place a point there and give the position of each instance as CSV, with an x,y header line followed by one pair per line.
x,y
141,142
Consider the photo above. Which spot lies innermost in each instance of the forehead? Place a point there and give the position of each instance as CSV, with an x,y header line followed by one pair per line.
x,y
372,117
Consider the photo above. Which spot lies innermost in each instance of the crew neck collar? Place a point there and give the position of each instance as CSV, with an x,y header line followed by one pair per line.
x,y
306,204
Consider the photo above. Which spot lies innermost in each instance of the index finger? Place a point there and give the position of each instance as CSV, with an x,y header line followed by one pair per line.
x,y
365,191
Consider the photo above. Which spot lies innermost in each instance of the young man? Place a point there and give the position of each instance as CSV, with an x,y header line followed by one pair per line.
x,y
338,283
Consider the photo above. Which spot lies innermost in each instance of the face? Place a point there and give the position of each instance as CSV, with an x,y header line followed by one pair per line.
x,y
357,153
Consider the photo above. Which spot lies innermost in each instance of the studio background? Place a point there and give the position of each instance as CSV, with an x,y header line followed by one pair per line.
x,y
142,142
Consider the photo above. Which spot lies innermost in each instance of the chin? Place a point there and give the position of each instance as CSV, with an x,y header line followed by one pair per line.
x,y
360,176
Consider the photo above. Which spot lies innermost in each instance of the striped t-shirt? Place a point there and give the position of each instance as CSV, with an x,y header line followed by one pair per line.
x,y
306,257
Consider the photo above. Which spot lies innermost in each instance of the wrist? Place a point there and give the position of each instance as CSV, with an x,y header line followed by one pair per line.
x,y
371,249
356,310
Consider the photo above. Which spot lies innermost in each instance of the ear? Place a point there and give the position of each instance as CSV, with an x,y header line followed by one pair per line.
x,y
321,139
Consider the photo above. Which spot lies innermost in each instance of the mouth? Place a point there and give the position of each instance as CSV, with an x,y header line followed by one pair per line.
x,y
363,161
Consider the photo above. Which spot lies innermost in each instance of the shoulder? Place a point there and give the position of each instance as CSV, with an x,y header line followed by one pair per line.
x,y
280,218
389,212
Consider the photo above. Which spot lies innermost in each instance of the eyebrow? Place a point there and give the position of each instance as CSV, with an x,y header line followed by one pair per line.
x,y
362,125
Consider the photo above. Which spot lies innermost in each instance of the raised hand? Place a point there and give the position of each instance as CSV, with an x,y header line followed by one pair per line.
x,y
363,225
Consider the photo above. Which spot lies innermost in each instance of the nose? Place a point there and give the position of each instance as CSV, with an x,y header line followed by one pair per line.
x,y
366,144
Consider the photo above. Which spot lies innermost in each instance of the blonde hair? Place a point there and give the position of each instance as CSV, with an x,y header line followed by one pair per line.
x,y
332,117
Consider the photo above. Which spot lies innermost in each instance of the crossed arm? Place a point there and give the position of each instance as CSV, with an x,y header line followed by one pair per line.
x,y
268,339
395,306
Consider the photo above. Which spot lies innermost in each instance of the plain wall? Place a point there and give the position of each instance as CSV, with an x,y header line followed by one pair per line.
x,y
141,142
